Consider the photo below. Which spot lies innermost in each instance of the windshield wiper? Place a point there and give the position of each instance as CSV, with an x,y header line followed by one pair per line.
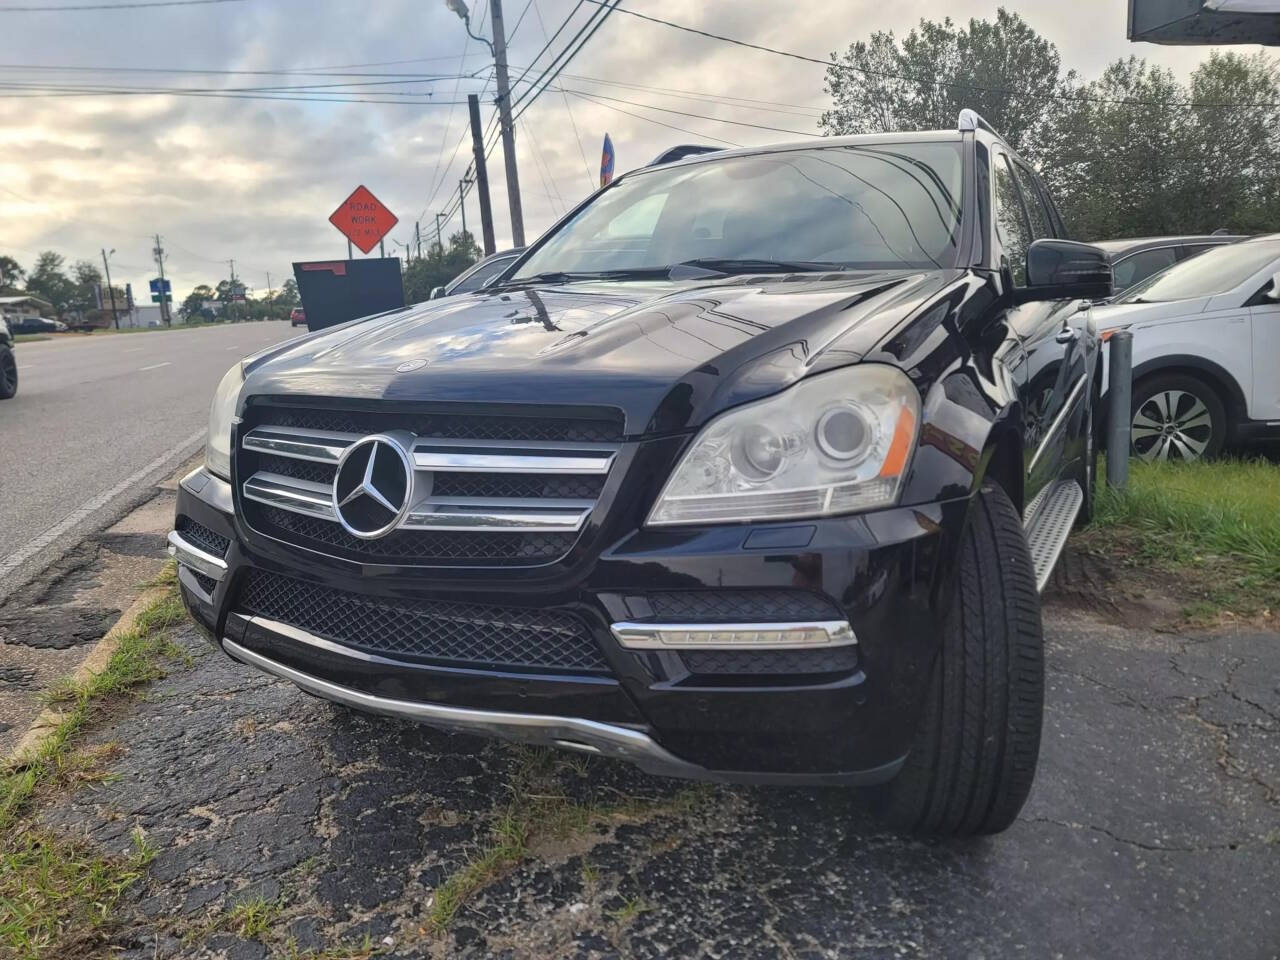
x,y
565,276
727,265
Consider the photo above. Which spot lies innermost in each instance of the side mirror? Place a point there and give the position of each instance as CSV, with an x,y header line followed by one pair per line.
x,y
1064,269
1274,292
436,293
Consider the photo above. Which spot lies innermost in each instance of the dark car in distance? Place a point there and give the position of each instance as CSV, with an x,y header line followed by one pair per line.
x,y
751,469
1136,259
37,325
8,362
479,274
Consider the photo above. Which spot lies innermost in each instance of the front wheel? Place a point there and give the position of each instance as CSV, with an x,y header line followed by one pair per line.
x,y
978,739
1177,417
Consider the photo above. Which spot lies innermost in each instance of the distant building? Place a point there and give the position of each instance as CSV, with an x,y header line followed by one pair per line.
x,y
24,305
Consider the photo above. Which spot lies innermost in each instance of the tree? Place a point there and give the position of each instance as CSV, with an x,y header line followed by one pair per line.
x,y
11,275
1004,70
193,307
439,266
47,280
287,296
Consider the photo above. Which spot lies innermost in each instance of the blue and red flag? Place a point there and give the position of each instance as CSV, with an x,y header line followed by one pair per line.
x,y
606,162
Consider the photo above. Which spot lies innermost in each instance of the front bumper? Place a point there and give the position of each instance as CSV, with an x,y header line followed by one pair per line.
x,y
820,719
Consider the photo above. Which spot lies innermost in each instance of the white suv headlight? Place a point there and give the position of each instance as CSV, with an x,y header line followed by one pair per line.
x,y
222,414
839,442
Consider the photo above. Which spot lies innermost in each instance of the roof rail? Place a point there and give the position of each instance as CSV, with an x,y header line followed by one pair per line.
x,y
972,120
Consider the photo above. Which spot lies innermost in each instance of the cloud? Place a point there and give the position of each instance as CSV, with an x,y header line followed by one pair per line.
x,y
255,180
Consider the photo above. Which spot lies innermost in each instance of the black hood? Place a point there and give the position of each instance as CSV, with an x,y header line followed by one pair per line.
x,y
668,355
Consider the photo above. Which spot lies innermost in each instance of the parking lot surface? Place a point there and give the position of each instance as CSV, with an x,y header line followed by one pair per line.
x,y
1153,829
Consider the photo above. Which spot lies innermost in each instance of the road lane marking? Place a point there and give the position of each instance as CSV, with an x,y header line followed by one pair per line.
x,y
14,560
155,366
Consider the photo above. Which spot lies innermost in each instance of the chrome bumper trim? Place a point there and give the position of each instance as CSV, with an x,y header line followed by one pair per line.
x,y
572,733
189,555
721,636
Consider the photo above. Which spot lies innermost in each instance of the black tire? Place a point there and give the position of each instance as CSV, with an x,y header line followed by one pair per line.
x,y
1174,401
1089,471
8,373
976,746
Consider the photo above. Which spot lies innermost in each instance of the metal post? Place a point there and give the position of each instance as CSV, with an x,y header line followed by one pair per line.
x,y
1119,413
115,317
506,123
482,175
382,249
350,253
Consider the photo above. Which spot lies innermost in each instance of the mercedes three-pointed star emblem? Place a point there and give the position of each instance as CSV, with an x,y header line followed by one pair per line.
x,y
373,487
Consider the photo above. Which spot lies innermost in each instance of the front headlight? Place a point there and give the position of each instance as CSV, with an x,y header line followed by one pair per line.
x,y
835,443
222,414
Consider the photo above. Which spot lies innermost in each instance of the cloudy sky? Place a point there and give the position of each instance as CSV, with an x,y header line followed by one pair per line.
x,y
255,179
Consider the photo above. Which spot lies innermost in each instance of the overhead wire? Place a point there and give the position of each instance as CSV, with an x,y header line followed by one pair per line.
x,y
930,81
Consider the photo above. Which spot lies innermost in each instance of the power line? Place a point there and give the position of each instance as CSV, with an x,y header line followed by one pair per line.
x,y
1066,97
659,123
567,109
699,116
566,55
115,6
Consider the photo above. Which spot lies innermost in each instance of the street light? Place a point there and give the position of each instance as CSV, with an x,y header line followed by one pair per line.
x,y
460,8
498,49
110,289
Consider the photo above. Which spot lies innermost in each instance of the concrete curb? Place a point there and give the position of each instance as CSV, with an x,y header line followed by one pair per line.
x,y
48,719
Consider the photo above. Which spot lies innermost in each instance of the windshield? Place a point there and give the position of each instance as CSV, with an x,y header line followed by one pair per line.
x,y
873,207
1206,274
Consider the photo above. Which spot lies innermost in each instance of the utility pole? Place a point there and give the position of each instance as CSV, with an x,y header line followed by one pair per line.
x,y
482,175
499,50
271,296
231,291
165,317
115,317
462,201
439,242
417,238
504,116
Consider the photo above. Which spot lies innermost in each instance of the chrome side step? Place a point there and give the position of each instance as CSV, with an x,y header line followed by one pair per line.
x,y
1049,524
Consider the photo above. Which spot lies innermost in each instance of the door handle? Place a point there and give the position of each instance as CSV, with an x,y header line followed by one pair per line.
x,y
1067,335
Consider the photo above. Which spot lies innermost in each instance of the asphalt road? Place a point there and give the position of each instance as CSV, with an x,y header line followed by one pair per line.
x,y
1152,830
93,412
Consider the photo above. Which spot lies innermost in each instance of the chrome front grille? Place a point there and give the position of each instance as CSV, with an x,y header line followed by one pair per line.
x,y
501,497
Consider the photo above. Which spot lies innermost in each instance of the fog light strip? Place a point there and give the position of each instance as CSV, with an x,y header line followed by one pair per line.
x,y
734,636
189,555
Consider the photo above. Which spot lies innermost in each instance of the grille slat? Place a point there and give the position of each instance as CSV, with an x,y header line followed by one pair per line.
x,y
204,538
489,490
444,631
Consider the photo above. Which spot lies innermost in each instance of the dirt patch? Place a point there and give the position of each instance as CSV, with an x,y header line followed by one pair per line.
x,y
1123,587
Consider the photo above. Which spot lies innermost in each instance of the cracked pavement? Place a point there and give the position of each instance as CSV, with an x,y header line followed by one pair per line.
x,y
1153,830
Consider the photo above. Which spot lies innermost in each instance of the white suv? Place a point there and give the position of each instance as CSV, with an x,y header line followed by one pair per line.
x,y
1206,351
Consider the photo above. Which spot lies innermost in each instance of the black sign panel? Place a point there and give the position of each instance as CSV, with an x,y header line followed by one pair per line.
x,y
335,291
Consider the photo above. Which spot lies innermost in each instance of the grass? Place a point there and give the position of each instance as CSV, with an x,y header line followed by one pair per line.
x,y
1214,526
253,918
31,337
58,894
538,810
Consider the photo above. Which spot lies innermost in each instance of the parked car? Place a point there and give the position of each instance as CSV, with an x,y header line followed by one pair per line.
x,y
1134,260
37,325
297,317
480,273
1206,351
8,362
736,476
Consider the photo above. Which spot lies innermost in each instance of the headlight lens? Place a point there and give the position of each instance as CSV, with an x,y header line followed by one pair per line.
x,y
836,443
222,414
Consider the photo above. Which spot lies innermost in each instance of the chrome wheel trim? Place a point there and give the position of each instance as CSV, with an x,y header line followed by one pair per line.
x,y
1171,425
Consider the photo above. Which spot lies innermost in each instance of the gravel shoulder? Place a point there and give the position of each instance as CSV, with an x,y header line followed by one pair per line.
x,y
1153,830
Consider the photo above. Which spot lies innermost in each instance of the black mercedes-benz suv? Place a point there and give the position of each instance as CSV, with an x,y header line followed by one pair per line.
x,y
751,469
